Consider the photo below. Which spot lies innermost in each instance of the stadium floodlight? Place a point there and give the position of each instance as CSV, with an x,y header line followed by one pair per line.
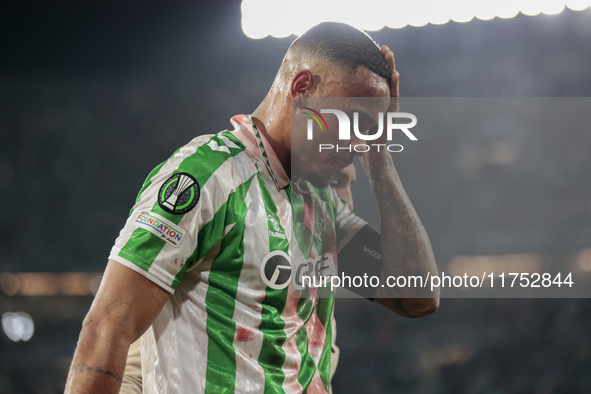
x,y
18,326
282,18
578,5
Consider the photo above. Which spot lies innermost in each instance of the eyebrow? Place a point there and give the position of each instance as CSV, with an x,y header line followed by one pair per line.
x,y
366,115
373,122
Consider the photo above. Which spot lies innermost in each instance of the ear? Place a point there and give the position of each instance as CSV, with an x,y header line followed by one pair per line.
x,y
302,84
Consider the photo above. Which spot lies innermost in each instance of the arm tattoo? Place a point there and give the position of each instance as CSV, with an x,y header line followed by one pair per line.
x,y
84,367
403,237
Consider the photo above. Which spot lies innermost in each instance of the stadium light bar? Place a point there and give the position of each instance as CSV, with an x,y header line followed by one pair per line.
x,y
50,284
282,18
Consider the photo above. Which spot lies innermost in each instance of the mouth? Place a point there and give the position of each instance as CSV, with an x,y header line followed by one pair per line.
x,y
341,162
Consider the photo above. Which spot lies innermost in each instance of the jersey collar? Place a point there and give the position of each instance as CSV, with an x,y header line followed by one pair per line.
x,y
247,132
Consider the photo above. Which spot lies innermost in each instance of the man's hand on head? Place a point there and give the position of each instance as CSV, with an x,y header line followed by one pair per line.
x,y
382,161
389,55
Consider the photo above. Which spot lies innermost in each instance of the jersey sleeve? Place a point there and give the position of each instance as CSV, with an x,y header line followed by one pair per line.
x,y
177,218
347,224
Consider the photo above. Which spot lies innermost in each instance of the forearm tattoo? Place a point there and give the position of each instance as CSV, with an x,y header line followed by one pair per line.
x,y
404,239
84,367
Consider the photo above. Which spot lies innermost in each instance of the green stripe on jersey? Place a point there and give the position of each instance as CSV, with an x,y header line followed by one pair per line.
x,y
272,355
221,298
209,235
325,302
308,366
324,308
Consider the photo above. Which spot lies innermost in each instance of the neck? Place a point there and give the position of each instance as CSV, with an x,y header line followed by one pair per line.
x,y
270,118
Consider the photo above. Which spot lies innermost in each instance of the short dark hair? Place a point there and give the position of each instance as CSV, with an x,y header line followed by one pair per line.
x,y
344,45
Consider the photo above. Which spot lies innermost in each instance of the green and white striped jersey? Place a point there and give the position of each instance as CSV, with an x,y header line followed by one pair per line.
x,y
218,227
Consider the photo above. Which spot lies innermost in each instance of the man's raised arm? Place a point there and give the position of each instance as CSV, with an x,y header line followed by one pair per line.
x,y
406,249
125,306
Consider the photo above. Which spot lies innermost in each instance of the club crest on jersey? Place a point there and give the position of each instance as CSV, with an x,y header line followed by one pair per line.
x,y
179,193
278,231
276,270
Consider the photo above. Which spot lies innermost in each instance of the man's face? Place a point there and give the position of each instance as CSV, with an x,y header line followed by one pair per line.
x,y
316,166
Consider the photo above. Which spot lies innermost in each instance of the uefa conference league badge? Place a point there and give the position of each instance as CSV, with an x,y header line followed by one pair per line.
x,y
179,194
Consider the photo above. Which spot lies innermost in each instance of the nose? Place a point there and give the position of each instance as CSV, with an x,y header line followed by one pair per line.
x,y
355,149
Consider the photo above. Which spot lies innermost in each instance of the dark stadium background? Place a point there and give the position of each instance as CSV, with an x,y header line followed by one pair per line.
x,y
94,94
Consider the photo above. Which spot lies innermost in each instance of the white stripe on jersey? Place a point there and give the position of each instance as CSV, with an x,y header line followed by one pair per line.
x,y
250,376
179,342
293,358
